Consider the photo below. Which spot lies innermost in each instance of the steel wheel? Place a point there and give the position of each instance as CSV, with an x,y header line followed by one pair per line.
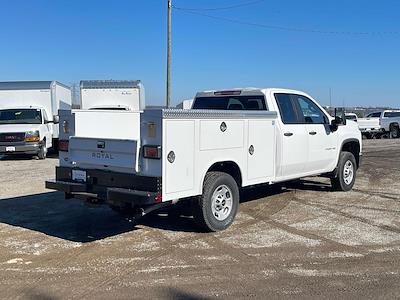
x,y
221,202
348,172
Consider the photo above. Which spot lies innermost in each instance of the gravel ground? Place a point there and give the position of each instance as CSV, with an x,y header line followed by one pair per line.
x,y
301,241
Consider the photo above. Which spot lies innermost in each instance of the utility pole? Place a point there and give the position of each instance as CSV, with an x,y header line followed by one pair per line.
x,y
330,97
168,100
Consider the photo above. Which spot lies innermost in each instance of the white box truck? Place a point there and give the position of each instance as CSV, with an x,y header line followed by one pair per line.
x,y
229,139
29,116
112,95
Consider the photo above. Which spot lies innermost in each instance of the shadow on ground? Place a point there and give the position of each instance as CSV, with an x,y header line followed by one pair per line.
x,y
73,220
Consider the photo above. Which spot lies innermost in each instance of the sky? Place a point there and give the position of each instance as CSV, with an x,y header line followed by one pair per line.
x,y
350,47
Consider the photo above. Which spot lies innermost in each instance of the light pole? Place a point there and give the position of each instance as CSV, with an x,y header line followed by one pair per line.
x,y
168,100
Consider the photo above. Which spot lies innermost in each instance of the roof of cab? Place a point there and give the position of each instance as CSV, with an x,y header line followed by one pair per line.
x,y
247,91
29,85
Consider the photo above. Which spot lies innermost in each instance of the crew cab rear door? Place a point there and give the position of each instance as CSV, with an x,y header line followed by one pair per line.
x,y
293,138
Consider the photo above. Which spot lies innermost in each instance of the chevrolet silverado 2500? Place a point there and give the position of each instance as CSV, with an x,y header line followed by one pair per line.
x,y
229,139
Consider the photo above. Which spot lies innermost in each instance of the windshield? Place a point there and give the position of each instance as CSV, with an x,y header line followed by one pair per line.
x,y
20,116
230,103
392,114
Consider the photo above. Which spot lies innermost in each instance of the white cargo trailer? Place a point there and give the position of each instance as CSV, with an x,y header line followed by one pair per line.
x,y
229,139
29,115
112,95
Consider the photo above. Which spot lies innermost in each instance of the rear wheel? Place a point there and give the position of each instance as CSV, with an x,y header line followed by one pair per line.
x,y
216,208
394,131
346,172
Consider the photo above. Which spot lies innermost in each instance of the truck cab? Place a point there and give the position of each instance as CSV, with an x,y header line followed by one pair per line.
x,y
228,140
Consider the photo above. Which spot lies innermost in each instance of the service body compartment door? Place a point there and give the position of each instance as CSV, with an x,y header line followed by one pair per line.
x,y
261,150
178,156
221,134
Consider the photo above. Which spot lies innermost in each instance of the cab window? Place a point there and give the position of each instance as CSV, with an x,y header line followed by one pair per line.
x,y
231,103
392,114
45,118
309,111
286,109
374,115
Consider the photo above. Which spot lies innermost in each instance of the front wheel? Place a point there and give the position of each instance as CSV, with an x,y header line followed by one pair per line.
x,y
346,172
42,151
216,208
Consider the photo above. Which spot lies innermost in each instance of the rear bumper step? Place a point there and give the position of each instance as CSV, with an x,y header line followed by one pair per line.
x,y
111,195
67,187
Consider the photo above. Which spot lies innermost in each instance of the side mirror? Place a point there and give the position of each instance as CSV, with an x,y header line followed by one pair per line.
x,y
56,119
340,119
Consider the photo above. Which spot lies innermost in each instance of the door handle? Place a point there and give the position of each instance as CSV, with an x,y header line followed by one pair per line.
x,y
288,134
312,133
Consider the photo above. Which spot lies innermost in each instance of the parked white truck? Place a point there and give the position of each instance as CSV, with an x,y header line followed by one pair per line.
x,y
228,140
29,116
376,124
112,95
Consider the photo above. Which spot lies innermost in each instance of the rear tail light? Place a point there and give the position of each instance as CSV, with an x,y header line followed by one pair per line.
x,y
158,198
63,145
153,152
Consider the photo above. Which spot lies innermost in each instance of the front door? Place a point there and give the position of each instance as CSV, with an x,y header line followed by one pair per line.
x,y
321,139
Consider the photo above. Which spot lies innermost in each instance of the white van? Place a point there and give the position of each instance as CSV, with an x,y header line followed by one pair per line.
x,y
29,116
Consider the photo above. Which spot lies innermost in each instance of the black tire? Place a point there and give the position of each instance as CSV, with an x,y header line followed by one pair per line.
x,y
42,151
394,131
341,182
202,205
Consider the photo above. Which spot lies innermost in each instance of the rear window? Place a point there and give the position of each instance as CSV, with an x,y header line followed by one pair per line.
x,y
351,117
230,103
374,115
392,114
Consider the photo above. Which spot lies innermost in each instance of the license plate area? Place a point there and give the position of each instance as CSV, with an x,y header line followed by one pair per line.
x,y
10,149
79,175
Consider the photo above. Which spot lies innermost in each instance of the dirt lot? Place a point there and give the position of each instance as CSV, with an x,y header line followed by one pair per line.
x,y
303,241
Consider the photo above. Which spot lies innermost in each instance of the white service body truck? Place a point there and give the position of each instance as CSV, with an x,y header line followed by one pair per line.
x,y
29,116
112,95
228,140
376,124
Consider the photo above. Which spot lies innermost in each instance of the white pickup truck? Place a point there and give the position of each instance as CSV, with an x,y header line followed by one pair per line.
x,y
229,139
376,124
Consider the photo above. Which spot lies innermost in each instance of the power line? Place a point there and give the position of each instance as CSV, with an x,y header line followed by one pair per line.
x,y
247,3
283,28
